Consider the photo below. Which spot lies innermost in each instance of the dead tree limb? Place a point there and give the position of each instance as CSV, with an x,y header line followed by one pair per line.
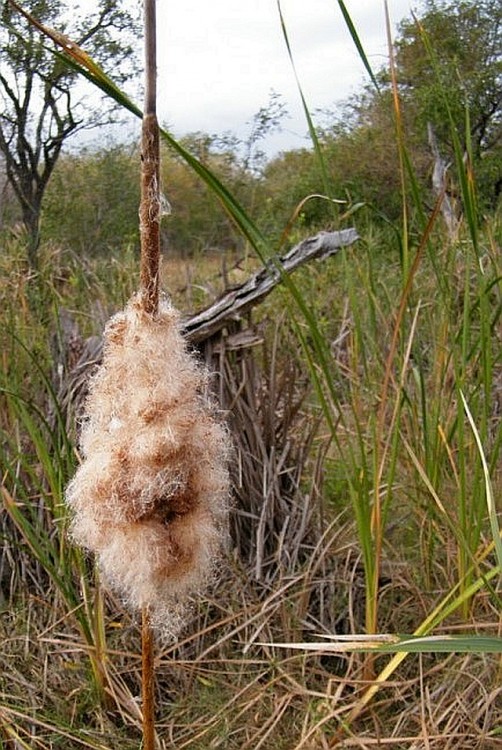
x,y
439,183
234,302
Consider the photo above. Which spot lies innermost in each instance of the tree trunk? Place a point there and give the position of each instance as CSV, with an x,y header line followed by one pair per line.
x,y
31,221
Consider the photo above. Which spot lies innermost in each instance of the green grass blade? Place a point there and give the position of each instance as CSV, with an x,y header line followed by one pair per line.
x,y
443,610
401,644
312,130
357,42
444,644
490,500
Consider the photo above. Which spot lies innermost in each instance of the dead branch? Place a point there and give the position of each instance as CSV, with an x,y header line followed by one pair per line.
x,y
234,302
440,184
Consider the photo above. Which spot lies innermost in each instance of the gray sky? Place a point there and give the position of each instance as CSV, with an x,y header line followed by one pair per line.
x,y
218,61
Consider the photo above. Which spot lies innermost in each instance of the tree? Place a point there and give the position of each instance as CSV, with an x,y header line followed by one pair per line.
x,y
463,75
43,99
448,63
91,203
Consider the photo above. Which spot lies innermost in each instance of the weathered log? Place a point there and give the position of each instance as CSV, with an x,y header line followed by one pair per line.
x,y
234,302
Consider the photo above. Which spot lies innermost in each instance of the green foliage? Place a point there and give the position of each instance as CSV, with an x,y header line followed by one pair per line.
x,y
198,221
292,189
91,205
42,107
449,74
465,37
449,64
355,158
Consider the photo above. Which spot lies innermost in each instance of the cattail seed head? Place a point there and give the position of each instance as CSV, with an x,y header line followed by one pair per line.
x,y
151,496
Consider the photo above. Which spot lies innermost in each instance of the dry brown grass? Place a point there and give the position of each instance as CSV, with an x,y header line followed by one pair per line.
x,y
294,571
220,687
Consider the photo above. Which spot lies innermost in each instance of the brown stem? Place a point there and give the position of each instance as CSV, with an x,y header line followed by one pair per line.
x,y
148,700
149,215
150,56
149,223
150,212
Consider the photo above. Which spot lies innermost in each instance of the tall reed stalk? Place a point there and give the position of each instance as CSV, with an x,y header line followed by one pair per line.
x,y
149,217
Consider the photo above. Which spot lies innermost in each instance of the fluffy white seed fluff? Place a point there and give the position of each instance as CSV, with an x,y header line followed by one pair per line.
x,y
150,498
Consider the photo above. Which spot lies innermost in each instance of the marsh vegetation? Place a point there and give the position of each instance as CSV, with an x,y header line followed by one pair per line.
x,y
363,397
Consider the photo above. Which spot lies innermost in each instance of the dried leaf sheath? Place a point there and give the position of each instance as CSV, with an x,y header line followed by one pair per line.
x,y
151,496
